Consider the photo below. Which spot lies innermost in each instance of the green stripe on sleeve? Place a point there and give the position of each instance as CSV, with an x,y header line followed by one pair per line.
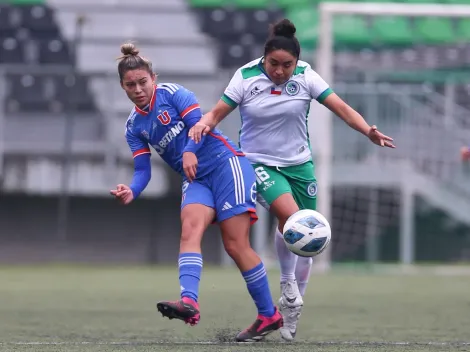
x,y
229,101
321,98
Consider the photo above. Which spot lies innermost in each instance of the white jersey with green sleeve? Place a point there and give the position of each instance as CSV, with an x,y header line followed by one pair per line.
x,y
274,129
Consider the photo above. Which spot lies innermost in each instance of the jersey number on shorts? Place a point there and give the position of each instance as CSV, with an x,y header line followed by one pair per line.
x,y
261,174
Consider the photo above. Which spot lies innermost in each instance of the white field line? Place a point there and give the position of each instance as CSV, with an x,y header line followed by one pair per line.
x,y
218,343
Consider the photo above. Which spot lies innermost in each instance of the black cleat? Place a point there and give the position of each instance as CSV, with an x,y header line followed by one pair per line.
x,y
185,309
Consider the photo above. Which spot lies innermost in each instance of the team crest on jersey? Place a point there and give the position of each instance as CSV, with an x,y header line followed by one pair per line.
x,y
312,189
255,91
164,118
292,88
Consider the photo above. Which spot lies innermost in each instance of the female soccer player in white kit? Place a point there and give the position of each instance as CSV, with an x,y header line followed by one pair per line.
x,y
273,94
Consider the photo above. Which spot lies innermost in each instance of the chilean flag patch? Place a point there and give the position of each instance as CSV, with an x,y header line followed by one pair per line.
x,y
275,92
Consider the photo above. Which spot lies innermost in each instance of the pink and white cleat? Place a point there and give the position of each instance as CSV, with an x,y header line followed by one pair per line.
x,y
262,327
185,309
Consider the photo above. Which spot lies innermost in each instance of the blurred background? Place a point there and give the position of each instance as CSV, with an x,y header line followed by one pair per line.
x,y
62,117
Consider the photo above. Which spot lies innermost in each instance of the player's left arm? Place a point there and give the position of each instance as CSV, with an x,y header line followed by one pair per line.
x,y
321,91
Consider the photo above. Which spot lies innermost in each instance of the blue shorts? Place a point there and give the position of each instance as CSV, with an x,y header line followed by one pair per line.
x,y
230,190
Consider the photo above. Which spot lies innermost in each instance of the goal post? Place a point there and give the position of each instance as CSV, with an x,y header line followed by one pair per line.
x,y
321,127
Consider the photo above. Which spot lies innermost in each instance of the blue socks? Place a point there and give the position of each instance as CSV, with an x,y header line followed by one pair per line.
x,y
258,286
190,267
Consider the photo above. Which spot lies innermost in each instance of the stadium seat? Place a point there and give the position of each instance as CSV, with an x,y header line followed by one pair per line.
x,y
306,22
27,93
53,51
29,34
462,94
292,4
5,17
463,30
257,21
351,31
422,1
459,2
223,24
49,34
391,31
36,17
257,4
11,51
434,30
208,3
234,55
27,2
9,33
73,94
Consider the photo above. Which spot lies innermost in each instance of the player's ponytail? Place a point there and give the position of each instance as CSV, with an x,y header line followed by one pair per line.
x,y
131,60
282,37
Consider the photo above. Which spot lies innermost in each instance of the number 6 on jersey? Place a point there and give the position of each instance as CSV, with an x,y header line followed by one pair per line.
x,y
261,175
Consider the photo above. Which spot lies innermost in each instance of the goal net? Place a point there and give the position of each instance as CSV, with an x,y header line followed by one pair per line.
x,y
404,67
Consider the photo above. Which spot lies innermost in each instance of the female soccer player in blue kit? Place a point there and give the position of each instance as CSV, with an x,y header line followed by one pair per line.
x,y
218,184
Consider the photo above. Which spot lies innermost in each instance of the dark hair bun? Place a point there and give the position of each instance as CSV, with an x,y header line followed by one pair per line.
x,y
129,49
283,28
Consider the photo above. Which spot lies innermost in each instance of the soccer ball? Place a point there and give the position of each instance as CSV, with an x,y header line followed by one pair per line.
x,y
307,233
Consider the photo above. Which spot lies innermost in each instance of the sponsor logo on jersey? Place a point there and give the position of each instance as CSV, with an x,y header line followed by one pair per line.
x,y
168,137
268,184
292,88
312,189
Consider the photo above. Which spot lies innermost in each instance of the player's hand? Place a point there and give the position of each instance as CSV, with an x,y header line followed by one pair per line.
x,y
465,153
123,194
379,138
190,165
197,131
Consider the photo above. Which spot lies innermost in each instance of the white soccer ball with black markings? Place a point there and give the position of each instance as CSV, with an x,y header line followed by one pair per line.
x,y
307,233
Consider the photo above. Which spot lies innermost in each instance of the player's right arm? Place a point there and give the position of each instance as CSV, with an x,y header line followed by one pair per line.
x,y
142,170
233,96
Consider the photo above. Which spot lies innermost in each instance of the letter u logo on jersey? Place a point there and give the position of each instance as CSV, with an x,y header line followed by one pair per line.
x,y
164,118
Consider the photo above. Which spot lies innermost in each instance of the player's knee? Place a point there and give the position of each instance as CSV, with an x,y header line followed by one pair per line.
x,y
236,234
192,229
236,245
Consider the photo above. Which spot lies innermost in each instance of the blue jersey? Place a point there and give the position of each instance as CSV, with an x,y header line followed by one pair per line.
x,y
164,125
